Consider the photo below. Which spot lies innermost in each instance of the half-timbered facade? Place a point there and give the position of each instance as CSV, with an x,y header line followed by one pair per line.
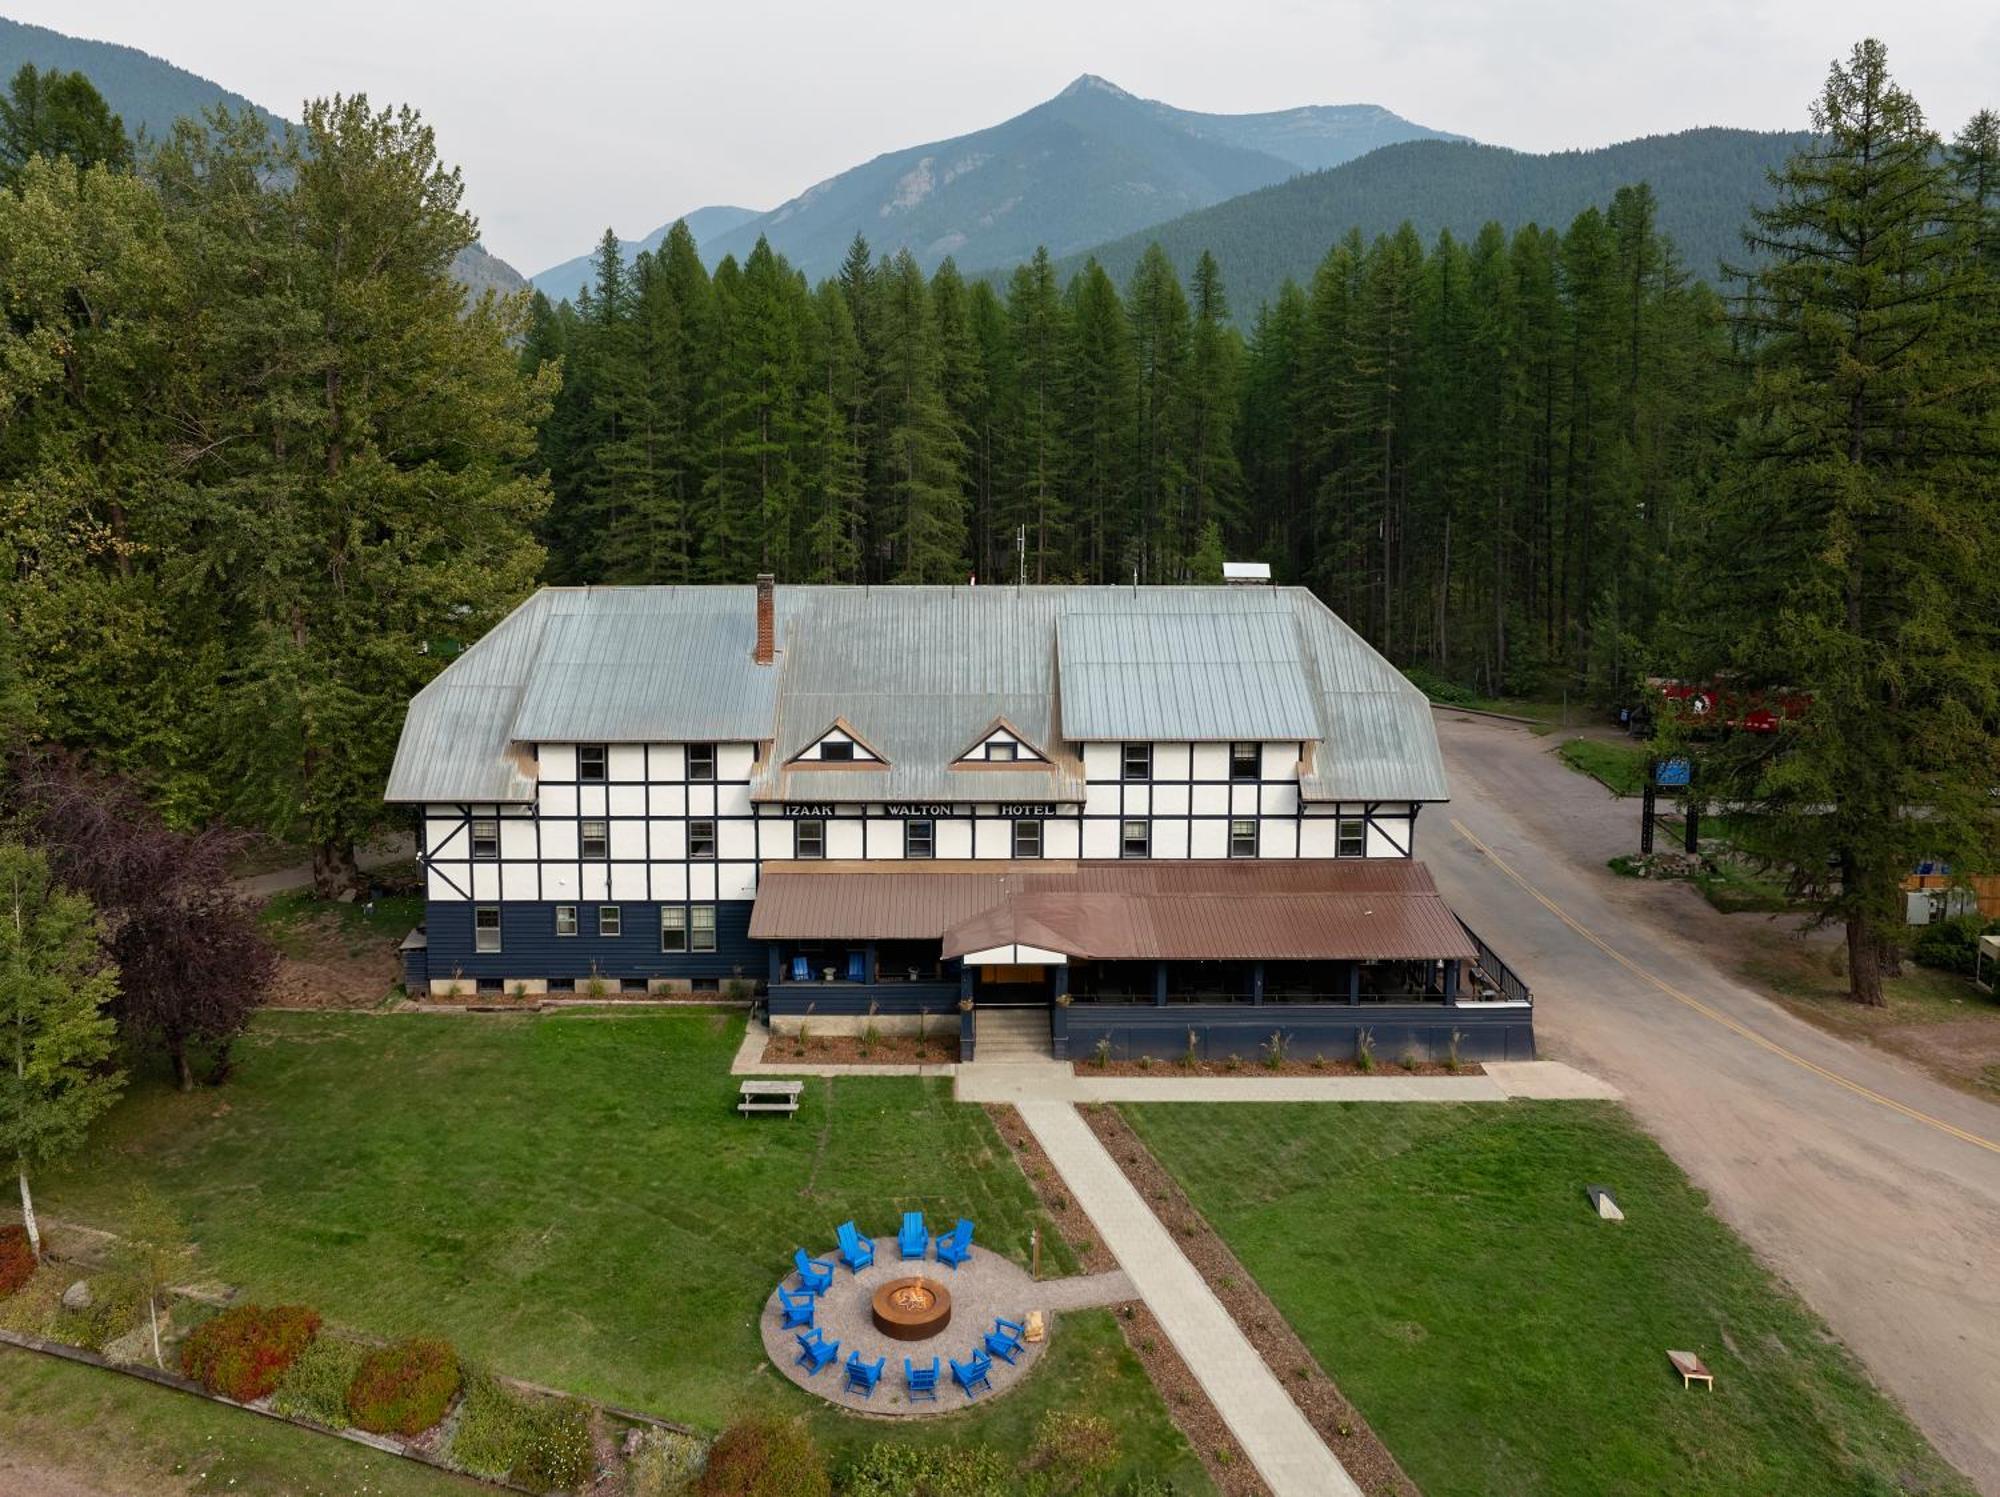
x,y
822,792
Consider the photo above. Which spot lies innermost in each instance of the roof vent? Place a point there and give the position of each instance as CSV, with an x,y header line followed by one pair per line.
x,y
1247,573
767,627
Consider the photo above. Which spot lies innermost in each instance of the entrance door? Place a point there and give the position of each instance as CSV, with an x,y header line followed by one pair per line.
x,y
1011,987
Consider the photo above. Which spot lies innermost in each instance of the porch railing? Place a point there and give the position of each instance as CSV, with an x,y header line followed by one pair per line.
x,y
1496,974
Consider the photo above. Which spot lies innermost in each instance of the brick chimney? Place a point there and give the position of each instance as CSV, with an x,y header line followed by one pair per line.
x,y
767,627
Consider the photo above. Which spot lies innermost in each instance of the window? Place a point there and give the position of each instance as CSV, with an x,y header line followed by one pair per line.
x,y
565,919
1351,837
809,839
610,920
701,761
486,928
919,839
594,837
488,985
486,840
1243,838
703,927
1135,839
1027,839
701,839
1001,753
836,751
1246,761
590,761
673,927
1138,762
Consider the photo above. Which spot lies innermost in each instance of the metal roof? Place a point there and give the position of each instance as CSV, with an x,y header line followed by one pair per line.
x,y
889,901
919,672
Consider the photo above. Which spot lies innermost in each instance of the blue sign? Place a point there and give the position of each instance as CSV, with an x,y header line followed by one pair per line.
x,y
1673,774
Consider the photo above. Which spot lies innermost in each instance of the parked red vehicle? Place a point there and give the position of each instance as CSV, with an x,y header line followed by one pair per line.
x,y
1715,706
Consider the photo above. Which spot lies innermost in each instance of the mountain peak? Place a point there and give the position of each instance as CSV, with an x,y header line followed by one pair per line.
x,y
1091,83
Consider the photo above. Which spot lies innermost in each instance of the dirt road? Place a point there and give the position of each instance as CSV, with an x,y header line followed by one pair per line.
x,y
1873,1189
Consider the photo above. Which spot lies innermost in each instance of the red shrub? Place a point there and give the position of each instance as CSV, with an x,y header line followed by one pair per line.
x,y
17,1259
243,1352
404,1389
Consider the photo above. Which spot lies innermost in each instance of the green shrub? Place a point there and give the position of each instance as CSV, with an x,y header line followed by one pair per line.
x,y
1074,1446
115,1302
1438,689
17,1259
895,1470
765,1457
666,1465
243,1352
31,1310
542,1444
404,1388
315,1386
1950,945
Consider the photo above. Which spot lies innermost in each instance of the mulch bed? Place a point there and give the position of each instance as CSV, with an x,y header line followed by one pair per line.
x,y
1189,1407
846,1049
1086,1065
1340,1424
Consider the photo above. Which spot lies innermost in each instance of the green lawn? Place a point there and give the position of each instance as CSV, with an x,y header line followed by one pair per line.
x,y
296,921
573,1200
1618,767
1445,1268
121,1435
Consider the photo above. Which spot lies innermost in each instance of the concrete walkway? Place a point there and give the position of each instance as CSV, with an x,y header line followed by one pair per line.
x,y
1052,1081
1286,1450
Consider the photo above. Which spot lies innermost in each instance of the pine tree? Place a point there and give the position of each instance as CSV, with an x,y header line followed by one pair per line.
x,y
1161,338
1215,375
57,114
1099,392
834,467
924,453
1037,496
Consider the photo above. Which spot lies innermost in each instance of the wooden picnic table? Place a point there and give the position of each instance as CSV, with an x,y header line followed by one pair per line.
x,y
769,1096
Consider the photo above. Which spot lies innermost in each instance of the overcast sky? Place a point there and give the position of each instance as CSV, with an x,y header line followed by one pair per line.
x,y
569,116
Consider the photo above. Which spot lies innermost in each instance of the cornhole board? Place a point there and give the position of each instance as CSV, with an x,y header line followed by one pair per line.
x,y
1690,1367
1604,1203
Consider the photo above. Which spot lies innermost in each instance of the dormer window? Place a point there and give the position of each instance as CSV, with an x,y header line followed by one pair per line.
x,y
1001,752
838,743
836,751
1000,742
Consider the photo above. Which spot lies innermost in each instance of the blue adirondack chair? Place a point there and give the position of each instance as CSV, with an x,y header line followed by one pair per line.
x,y
921,1381
956,1247
863,1376
815,1277
798,1307
1006,1348
914,1240
815,1351
855,1250
801,970
971,1375
857,966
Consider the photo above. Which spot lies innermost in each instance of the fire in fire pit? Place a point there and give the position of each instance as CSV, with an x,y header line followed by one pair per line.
x,y
912,1309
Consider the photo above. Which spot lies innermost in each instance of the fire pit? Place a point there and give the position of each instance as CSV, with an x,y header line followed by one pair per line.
x,y
911,1309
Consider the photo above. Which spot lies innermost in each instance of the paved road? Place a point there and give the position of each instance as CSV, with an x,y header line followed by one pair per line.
x,y
1873,1189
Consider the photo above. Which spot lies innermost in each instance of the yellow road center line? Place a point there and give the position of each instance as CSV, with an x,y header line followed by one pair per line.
x,y
1709,1012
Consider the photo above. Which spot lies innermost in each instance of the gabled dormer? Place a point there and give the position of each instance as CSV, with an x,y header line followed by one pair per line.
x,y
999,742
839,744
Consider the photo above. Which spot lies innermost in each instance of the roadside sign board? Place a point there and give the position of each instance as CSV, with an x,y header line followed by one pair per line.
x,y
1673,774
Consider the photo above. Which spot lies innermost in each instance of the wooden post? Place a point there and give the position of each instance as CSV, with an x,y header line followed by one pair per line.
x,y
1034,1252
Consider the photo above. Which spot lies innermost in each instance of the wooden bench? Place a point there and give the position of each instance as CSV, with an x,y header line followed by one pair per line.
x,y
770,1096
1691,1369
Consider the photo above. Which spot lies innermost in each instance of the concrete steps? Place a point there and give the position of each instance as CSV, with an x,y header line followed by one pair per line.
x,y
1004,1035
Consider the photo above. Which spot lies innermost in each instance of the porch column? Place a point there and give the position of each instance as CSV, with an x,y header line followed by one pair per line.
x,y
1451,984
1354,982
777,963
1256,982
869,966
1062,981
1160,984
964,980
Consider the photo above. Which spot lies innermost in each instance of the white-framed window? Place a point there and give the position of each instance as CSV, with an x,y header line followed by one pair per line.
x,y
701,761
1246,761
920,838
673,927
1243,838
590,762
836,751
1027,838
1002,751
485,840
486,928
565,919
1351,837
594,839
702,927
610,920
701,839
809,839
1135,839
1136,762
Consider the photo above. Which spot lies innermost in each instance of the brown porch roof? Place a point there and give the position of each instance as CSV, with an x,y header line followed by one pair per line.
x,y
1305,910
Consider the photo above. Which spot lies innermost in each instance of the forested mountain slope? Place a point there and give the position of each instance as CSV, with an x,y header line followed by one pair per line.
x,y
560,281
1705,181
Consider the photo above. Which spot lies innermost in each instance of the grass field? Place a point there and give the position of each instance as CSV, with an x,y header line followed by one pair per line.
x,y
294,920
1618,767
1443,1265
572,1199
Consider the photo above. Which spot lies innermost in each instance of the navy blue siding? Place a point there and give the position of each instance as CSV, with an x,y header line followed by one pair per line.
x,y
1325,1030
530,947
795,998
